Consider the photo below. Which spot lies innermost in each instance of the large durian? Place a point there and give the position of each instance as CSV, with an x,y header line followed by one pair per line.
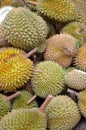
x,y
76,79
26,119
24,29
62,113
48,78
80,58
15,69
21,101
77,30
61,49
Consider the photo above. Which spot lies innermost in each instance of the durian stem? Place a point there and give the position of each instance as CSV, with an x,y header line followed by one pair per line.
x,y
13,96
31,52
32,99
46,102
22,3
33,3
73,92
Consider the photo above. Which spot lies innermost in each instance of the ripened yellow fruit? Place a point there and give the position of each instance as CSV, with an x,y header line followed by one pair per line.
x,y
77,30
62,113
57,10
15,69
6,2
48,78
76,79
22,99
82,102
5,106
80,59
24,29
61,48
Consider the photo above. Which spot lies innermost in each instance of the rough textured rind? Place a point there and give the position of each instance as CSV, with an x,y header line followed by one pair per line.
x,y
48,78
21,101
80,59
24,119
58,10
15,69
24,29
61,49
4,106
77,30
76,79
62,113
82,102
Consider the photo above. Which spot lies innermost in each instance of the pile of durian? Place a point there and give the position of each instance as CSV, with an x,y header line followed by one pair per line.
x,y
42,64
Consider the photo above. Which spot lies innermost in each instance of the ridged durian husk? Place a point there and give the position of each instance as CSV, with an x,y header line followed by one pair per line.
x,y
62,113
15,69
5,106
57,10
25,29
48,78
61,49
76,79
82,102
25,119
77,30
80,59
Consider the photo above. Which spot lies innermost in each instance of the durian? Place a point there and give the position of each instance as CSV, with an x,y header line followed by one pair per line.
x,y
26,119
61,48
77,30
62,113
21,101
76,79
80,58
5,105
6,2
47,78
24,29
15,69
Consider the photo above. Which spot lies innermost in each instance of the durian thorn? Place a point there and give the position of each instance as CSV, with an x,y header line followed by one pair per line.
x,y
33,3
22,3
32,99
73,92
31,52
46,102
13,96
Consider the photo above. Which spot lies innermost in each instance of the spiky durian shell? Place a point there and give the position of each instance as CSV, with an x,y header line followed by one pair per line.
x,y
80,59
82,102
58,10
4,106
6,2
21,101
77,30
61,48
48,78
32,7
62,113
15,69
24,29
76,79
24,119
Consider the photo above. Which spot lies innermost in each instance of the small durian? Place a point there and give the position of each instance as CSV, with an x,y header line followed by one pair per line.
x,y
61,48
5,105
56,10
80,58
26,119
48,78
76,79
62,113
15,69
21,101
81,100
77,30
24,29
